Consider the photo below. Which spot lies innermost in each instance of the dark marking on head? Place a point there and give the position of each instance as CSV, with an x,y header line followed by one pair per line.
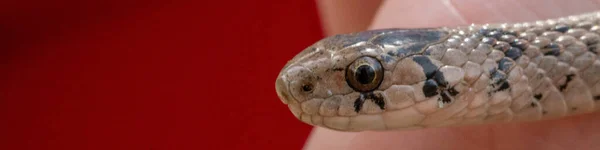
x,y
552,49
359,103
544,112
533,104
375,98
537,96
438,76
453,92
430,88
569,79
428,67
445,98
574,109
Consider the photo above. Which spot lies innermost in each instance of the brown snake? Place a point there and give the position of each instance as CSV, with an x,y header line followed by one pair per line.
x,y
394,79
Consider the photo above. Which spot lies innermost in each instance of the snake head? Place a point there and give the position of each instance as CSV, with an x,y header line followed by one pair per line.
x,y
344,77
332,76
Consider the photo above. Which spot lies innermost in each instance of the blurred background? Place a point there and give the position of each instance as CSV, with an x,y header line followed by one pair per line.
x,y
153,74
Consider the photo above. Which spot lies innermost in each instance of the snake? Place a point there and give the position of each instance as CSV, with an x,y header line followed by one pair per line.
x,y
417,78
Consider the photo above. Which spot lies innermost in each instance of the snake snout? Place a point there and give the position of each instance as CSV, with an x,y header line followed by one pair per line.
x,y
282,90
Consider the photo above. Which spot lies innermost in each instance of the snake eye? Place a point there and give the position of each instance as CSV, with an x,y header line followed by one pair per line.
x,y
364,74
307,87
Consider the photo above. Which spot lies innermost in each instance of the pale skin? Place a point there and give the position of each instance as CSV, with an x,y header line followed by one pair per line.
x,y
578,132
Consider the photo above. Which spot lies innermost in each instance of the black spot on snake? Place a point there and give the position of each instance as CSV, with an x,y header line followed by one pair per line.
x,y
499,81
552,49
428,67
532,105
495,34
490,32
513,53
597,98
537,96
520,43
430,88
504,86
569,79
561,28
505,64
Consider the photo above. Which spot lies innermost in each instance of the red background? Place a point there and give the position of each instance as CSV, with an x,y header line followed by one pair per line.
x,y
125,74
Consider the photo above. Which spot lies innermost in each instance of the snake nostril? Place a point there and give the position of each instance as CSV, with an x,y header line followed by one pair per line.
x,y
282,90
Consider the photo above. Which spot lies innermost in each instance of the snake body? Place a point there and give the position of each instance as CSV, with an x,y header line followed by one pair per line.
x,y
395,79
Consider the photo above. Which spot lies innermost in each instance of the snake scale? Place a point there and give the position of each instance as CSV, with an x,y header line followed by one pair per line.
x,y
398,79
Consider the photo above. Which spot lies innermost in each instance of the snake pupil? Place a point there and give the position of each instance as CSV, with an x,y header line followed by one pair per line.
x,y
365,74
